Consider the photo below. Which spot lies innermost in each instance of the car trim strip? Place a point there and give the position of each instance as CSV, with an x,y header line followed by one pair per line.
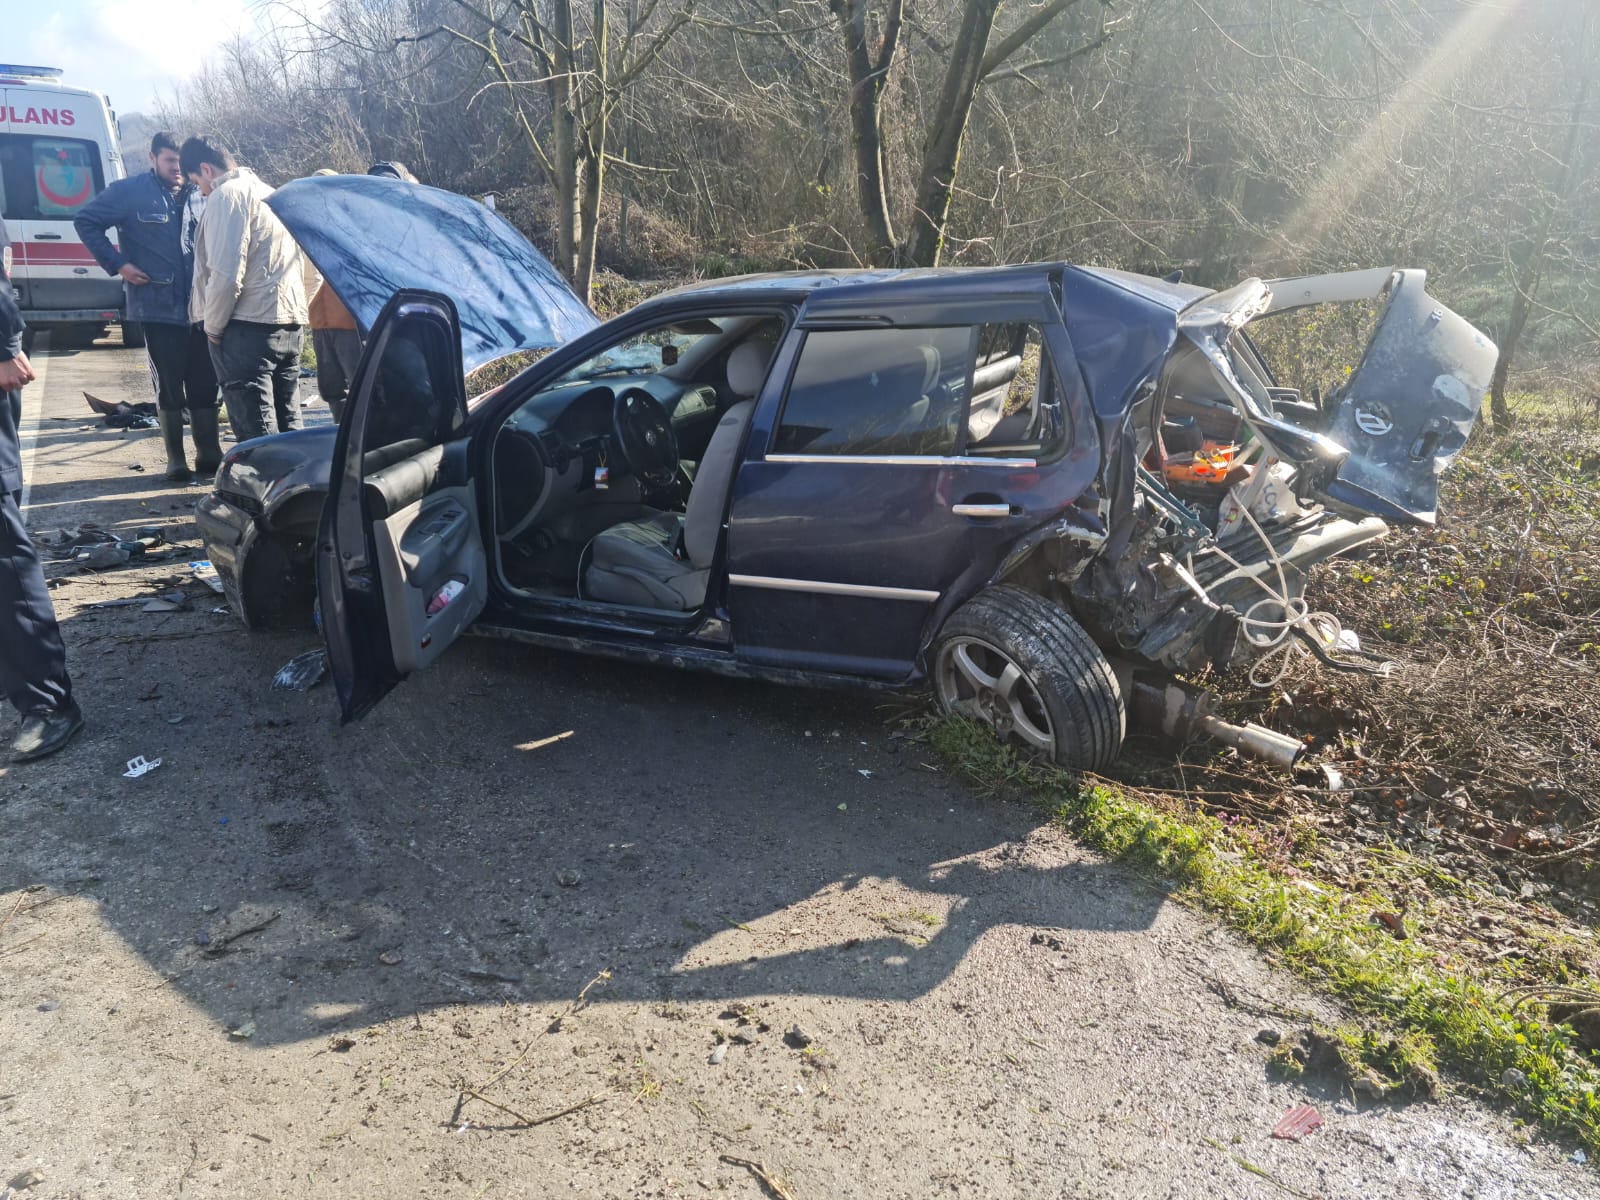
x,y
906,460
867,591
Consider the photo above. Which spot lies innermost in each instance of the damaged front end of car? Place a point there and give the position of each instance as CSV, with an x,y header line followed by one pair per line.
x,y
1226,489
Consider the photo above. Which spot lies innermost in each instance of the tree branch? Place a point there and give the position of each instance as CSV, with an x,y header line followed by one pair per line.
x,y
1021,35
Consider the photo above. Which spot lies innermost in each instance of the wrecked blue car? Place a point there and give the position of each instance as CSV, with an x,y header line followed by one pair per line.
x,y
1022,485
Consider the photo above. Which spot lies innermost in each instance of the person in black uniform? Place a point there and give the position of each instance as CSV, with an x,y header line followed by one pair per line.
x,y
33,661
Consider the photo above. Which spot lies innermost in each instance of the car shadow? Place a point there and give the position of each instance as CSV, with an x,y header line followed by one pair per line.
x,y
511,824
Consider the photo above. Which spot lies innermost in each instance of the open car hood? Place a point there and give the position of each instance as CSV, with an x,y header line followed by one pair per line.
x,y
1380,442
371,237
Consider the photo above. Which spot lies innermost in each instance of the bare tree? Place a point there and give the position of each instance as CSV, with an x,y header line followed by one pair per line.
x,y
584,63
871,40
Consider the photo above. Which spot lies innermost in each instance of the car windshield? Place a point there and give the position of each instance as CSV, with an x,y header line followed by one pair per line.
x,y
645,352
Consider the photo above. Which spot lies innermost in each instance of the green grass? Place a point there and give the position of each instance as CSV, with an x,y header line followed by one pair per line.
x,y
1416,1014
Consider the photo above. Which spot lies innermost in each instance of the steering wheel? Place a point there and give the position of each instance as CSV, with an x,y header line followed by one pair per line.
x,y
644,436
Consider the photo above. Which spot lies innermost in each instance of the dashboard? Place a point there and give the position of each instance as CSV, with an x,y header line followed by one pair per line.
x,y
547,452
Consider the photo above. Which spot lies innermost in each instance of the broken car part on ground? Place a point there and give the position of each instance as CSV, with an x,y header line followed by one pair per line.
x,y
1023,485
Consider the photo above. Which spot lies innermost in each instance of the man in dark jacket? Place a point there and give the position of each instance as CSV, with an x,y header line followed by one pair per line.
x,y
33,662
157,272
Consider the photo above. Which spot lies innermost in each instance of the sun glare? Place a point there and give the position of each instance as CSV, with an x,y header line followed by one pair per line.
x,y
1352,172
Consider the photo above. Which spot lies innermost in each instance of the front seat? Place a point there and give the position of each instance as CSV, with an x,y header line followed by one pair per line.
x,y
745,369
664,560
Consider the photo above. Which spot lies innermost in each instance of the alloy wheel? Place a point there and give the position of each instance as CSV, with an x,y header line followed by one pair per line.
x,y
978,680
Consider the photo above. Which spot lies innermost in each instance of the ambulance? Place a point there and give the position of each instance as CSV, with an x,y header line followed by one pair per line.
x,y
58,150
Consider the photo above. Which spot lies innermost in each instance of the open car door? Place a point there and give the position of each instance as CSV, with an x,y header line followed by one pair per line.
x,y
401,567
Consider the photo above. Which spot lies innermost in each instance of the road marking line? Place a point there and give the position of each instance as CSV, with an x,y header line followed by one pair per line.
x,y
33,414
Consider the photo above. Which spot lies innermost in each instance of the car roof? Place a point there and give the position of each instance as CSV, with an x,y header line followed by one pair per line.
x,y
797,285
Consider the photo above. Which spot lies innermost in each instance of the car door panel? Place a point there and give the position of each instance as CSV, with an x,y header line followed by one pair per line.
x,y
849,562
424,530
401,564
842,563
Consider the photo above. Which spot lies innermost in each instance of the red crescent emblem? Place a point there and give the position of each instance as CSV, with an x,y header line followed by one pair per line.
x,y
71,201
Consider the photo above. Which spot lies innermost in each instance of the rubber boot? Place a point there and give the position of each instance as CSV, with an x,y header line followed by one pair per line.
x,y
172,437
207,445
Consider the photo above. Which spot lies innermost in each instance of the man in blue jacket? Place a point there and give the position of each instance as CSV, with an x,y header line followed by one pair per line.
x,y
157,272
33,662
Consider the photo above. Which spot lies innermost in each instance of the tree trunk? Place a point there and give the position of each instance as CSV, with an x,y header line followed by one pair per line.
x,y
867,79
941,152
1520,306
592,158
564,117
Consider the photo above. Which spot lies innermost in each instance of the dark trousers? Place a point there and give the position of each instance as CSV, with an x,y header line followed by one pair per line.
x,y
258,370
338,352
33,662
180,357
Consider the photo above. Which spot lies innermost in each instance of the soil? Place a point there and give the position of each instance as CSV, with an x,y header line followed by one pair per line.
x,y
277,964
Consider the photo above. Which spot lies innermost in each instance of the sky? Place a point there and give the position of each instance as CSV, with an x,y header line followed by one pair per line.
x,y
131,50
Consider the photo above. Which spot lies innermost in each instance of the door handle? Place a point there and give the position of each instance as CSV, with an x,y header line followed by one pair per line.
x,y
991,512
47,237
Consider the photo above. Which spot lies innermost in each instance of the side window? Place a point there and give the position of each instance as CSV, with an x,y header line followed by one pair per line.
x,y
1016,405
877,392
46,178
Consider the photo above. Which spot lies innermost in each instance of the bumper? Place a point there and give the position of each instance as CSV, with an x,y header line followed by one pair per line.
x,y
229,534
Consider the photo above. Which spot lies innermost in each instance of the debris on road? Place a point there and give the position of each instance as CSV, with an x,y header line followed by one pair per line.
x,y
568,878
120,415
774,1184
140,766
302,672
22,1182
717,1055
797,1038
65,543
1297,1123
218,946
391,958
207,574
244,1032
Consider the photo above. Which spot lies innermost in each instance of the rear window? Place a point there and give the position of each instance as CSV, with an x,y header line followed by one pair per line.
x,y
46,178
877,392
983,390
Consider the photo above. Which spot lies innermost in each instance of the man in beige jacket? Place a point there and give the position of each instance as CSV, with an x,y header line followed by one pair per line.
x,y
249,292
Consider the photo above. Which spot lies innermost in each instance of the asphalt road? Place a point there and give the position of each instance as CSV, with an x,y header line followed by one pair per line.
x,y
270,966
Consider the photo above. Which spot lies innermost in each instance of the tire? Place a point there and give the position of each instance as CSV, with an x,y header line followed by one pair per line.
x,y
1063,699
133,335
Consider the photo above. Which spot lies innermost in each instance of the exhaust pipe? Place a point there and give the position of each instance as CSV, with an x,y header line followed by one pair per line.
x,y
1181,713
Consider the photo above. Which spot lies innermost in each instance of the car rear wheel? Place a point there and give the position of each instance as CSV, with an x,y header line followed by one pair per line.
x,y
132,335
1020,665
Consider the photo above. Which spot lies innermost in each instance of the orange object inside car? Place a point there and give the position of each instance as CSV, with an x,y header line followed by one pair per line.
x,y
1209,464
